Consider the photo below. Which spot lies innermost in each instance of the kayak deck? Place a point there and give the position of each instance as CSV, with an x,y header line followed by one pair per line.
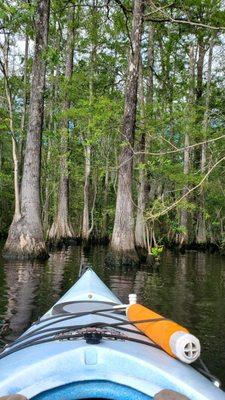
x,y
83,347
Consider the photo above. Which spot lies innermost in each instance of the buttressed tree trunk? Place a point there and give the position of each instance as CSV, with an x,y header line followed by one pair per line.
x,y
61,228
25,238
122,242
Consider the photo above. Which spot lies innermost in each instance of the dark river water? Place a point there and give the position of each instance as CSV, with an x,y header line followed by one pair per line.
x,y
189,289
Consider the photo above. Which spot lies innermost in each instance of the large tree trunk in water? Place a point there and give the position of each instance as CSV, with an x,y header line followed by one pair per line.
x,y
201,235
140,228
25,239
61,228
123,232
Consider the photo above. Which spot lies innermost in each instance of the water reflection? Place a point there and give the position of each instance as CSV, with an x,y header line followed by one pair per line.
x,y
22,282
188,288
121,285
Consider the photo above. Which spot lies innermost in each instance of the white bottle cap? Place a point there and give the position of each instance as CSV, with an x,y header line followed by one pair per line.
x,y
132,298
185,346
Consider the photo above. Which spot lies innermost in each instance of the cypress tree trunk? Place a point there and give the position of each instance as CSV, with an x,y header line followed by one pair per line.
x,y
106,197
4,65
182,237
25,104
52,126
61,228
200,223
25,238
201,234
87,171
140,228
140,236
122,242
86,229
46,205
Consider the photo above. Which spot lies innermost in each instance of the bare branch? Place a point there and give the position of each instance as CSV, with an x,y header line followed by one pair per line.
x,y
174,205
163,153
169,18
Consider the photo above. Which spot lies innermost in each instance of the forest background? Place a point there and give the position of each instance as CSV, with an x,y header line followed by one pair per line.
x,y
126,102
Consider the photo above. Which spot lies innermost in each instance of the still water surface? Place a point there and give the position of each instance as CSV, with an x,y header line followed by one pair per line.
x,y
189,289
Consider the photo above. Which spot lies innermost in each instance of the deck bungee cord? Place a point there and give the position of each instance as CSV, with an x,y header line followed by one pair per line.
x,y
48,338
203,369
61,329
68,317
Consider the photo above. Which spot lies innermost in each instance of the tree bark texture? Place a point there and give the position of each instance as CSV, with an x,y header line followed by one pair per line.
x,y
61,228
123,231
25,239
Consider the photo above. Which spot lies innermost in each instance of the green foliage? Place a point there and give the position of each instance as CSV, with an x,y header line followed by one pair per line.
x,y
156,251
102,45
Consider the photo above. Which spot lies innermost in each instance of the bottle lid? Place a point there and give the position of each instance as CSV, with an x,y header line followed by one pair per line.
x,y
185,347
132,298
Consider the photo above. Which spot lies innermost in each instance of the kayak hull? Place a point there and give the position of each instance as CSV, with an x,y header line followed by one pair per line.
x,y
75,369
